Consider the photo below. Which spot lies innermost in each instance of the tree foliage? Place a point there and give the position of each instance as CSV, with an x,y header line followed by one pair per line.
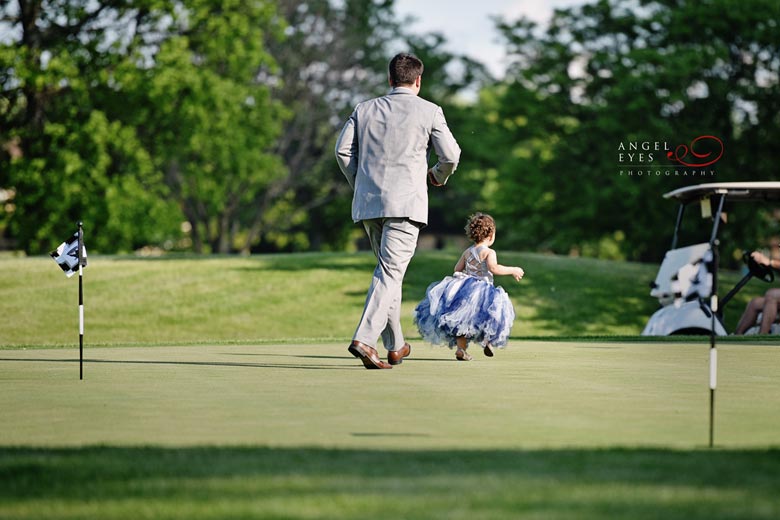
x,y
63,158
611,73
209,119
137,117
333,55
128,115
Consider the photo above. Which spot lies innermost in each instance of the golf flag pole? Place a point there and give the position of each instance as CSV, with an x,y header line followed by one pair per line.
x,y
81,301
713,384
714,305
68,255
713,350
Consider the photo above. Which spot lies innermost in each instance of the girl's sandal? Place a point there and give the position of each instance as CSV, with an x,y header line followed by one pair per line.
x,y
462,355
488,351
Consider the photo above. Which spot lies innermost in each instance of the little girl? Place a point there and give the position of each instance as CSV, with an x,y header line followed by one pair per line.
x,y
466,306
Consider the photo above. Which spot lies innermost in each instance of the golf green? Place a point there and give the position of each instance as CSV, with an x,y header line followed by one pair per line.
x,y
532,395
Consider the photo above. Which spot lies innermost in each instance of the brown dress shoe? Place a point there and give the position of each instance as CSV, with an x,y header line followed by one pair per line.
x,y
396,357
367,355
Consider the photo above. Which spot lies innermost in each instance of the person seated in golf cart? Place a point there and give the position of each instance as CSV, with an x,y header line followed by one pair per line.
x,y
762,309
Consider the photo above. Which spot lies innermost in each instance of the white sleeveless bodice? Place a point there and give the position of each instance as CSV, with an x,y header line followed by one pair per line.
x,y
476,267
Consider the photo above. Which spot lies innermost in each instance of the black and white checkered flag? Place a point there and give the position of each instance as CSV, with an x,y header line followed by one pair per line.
x,y
67,255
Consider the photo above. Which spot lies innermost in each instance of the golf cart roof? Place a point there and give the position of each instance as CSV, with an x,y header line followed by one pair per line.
x,y
732,190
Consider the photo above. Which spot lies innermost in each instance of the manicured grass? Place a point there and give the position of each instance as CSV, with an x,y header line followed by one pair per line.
x,y
294,298
221,388
531,395
542,430
319,483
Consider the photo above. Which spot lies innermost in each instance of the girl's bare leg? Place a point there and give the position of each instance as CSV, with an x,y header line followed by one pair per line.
x,y
463,344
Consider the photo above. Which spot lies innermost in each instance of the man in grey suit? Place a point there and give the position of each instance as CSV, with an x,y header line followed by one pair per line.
x,y
383,151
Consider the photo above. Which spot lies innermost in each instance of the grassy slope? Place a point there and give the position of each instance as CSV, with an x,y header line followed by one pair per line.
x,y
295,297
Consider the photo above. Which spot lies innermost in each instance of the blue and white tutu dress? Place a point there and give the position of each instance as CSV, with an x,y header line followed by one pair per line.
x,y
466,304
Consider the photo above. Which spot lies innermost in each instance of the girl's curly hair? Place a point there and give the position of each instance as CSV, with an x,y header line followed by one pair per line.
x,y
480,226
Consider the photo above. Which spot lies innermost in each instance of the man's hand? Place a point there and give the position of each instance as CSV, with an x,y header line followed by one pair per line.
x,y
433,179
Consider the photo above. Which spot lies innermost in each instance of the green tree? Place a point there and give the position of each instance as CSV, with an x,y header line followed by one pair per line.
x,y
207,116
613,72
134,116
333,55
62,159
450,80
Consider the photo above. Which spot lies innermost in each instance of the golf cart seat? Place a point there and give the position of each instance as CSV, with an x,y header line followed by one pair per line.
x,y
682,286
682,274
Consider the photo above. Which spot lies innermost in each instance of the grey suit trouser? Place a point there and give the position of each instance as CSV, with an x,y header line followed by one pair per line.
x,y
393,241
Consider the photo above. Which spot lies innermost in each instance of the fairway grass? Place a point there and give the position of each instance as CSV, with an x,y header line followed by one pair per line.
x,y
317,483
542,430
300,297
531,395
221,387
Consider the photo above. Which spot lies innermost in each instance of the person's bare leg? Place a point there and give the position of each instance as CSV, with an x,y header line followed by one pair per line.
x,y
748,318
769,310
463,344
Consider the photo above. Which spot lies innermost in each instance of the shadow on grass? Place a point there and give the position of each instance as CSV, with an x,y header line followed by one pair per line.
x,y
294,366
350,362
337,483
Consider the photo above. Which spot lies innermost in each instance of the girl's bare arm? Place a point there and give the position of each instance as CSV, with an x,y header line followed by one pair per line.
x,y
461,265
500,270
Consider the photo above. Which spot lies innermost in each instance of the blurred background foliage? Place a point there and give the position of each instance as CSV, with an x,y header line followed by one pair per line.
x,y
209,126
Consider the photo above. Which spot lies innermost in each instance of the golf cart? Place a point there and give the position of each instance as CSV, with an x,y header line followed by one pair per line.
x,y
687,282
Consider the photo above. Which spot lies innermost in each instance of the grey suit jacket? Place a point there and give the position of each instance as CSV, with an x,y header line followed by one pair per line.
x,y
383,151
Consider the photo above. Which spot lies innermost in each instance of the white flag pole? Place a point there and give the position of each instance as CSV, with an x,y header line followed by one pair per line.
x,y
81,301
714,303
713,371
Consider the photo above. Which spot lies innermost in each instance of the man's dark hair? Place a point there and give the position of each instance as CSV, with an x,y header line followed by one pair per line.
x,y
404,69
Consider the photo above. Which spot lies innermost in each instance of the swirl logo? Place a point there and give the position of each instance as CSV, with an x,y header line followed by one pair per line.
x,y
704,150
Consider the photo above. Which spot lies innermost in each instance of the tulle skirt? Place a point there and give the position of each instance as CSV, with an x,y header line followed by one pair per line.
x,y
462,305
